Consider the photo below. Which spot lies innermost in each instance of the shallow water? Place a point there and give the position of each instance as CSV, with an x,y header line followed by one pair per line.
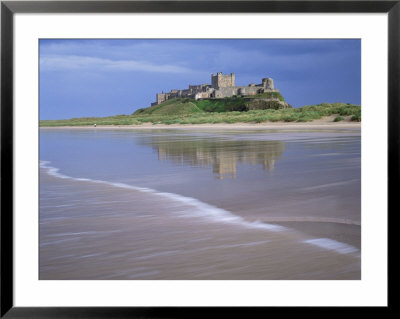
x,y
197,204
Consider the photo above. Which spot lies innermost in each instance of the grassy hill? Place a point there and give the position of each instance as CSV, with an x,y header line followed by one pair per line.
x,y
181,106
171,107
187,111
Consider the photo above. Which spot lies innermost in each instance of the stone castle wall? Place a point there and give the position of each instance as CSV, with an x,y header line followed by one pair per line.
x,y
220,80
225,92
221,86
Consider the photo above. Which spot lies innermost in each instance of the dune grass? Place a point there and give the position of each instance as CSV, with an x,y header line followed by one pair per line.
x,y
171,107
187,112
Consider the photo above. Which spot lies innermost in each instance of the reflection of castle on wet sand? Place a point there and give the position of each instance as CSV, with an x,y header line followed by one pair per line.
x,y
222,156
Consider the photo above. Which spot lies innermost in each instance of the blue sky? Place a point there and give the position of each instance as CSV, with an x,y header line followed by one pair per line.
x,y
80,78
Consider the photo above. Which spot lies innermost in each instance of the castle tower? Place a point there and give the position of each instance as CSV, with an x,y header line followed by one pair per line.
x,y
161,97
268,83
220,80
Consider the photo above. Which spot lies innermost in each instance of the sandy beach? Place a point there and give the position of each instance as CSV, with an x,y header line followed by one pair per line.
x,y
274,201
324,123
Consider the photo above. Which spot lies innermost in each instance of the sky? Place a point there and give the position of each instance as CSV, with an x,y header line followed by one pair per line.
x,y
84,78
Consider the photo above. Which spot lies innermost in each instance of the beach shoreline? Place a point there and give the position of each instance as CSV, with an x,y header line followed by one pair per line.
x,y
201,202
317,124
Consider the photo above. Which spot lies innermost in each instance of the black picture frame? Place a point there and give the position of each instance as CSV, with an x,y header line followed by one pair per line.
x,y
9,8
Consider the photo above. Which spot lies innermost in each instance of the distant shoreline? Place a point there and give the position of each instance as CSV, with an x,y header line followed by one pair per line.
x,y
179,113
317,124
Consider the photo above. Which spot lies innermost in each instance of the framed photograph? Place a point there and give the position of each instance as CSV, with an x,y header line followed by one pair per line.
x,y
181,158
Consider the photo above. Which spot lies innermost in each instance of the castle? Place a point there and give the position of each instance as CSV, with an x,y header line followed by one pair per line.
x,y
222,85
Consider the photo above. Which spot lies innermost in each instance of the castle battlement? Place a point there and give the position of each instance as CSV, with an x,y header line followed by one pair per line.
x,y
222,85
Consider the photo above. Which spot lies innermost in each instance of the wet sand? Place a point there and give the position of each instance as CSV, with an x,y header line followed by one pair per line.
x,y
200,204
345,233
116,233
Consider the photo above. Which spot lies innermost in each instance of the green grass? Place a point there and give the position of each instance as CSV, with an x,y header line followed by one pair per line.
x,y
338,119
171,107
222,105
268,95
186,111
90,121
239,103
356,117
